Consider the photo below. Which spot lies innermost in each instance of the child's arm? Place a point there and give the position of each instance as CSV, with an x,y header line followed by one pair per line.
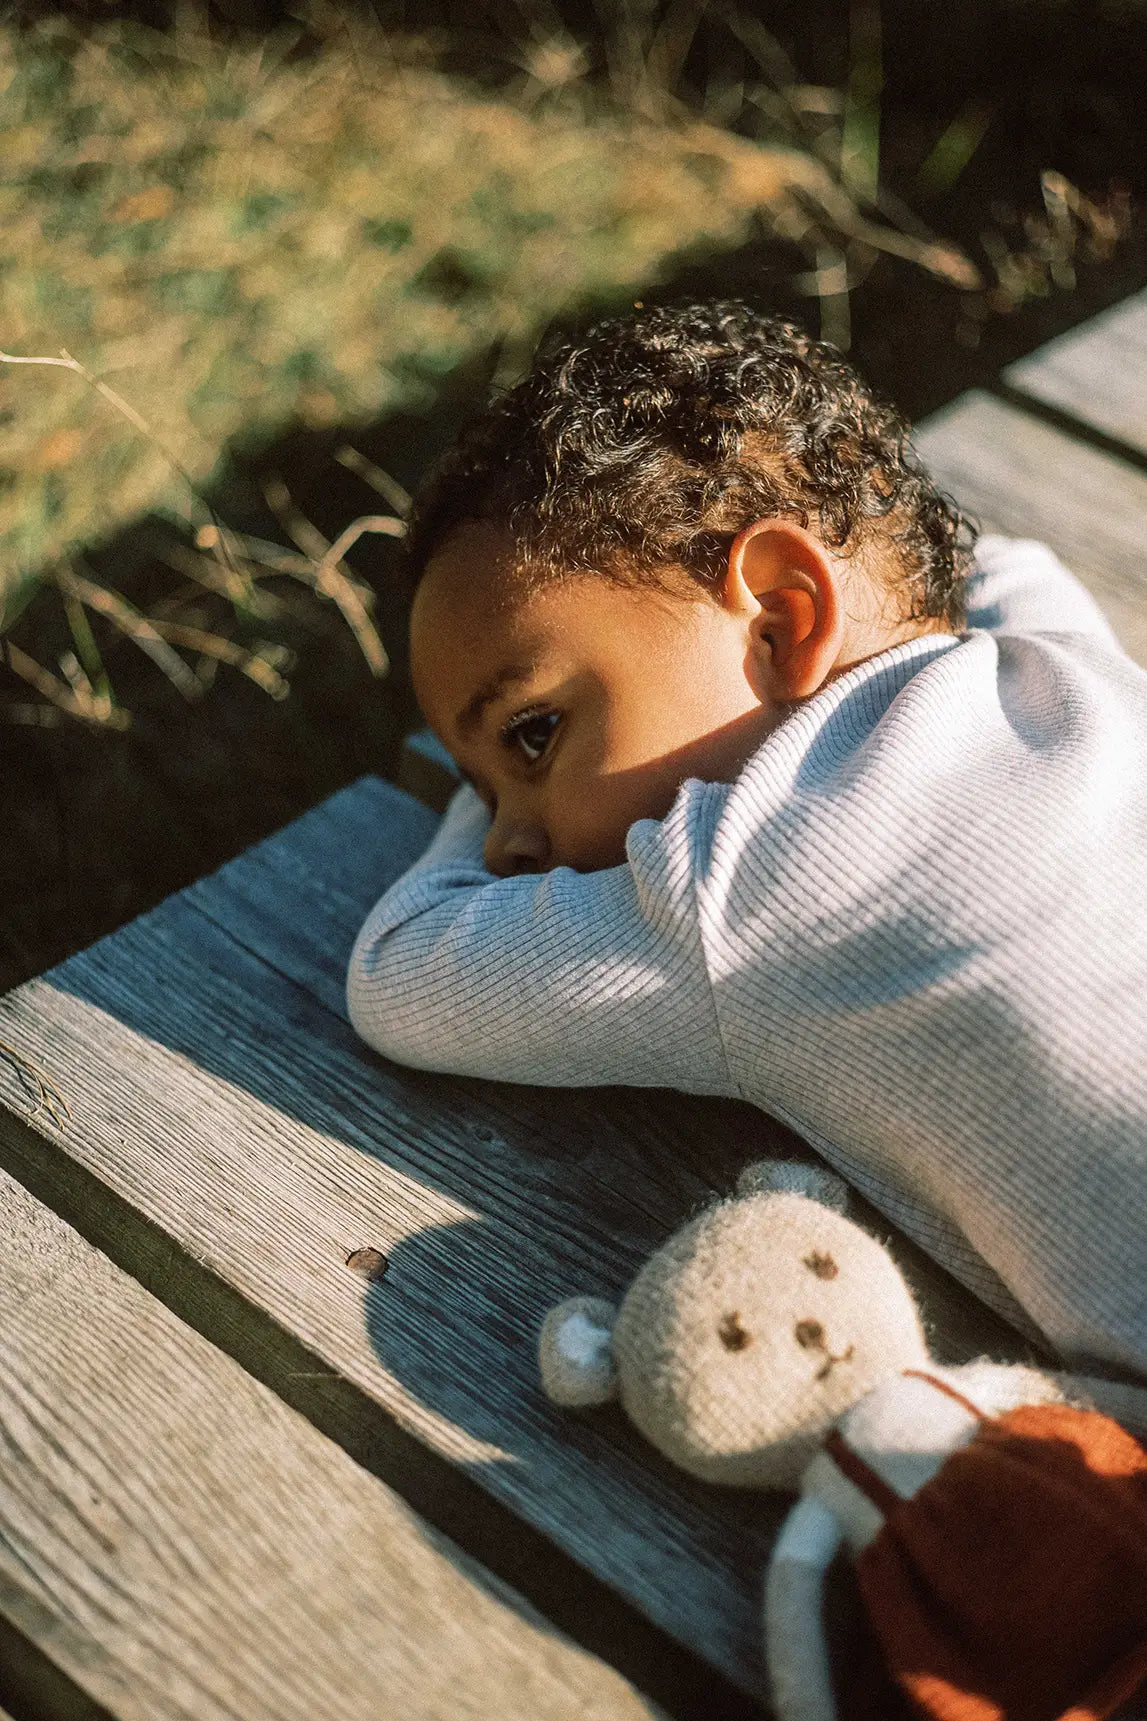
x,y
563,978
1019,586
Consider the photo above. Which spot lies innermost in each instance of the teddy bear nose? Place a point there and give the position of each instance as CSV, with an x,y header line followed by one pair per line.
x,y
810,1336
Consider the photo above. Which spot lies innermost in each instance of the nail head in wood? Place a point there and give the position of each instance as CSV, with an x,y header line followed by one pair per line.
x,y
371,1263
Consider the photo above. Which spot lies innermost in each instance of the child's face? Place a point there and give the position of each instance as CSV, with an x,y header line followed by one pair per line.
x,y
581,707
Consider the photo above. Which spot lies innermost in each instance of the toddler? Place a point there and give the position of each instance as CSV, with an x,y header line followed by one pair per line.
x,y
772,793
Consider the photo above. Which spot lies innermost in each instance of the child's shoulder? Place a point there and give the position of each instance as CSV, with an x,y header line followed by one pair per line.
x,y
1019,585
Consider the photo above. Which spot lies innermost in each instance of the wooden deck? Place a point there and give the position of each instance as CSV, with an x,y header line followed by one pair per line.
x,y
271,1439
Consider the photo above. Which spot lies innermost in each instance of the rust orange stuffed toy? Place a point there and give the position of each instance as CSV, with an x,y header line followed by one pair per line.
x,y
1014,1582
997,1517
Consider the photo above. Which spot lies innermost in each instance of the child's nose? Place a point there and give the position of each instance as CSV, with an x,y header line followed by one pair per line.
x,y
516,845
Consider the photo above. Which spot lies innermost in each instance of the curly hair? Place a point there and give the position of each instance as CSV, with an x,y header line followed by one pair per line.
x,y
639,452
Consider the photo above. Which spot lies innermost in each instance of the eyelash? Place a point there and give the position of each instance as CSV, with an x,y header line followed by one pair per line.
x,y
512,731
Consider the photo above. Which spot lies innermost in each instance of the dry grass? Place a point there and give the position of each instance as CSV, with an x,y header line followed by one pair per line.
x,y
232,240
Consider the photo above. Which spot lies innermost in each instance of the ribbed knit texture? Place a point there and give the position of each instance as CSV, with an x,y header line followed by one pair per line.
x,y
913,929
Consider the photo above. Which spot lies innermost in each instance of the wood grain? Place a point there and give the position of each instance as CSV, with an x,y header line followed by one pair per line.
x,y
1021,476
218,1094
1097,373
187,1547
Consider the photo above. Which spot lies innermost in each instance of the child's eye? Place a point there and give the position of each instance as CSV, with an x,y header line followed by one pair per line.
x,y
530,733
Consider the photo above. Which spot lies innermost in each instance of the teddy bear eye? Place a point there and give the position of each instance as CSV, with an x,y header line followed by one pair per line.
x,y
732,1334
822,1265
809,1335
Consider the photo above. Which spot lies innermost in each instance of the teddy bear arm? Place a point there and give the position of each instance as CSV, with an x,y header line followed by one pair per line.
x,y
796,1649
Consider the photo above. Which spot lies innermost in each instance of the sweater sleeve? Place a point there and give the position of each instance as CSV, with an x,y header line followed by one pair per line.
x,y
1019,586
562,978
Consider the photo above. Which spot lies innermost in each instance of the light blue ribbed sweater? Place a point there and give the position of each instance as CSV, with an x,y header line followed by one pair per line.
x,y
914,928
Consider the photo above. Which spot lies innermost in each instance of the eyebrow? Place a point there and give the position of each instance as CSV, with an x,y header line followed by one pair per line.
x,y
508,676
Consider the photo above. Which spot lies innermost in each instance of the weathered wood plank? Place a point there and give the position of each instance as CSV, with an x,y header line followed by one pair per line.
x,y
217,1090
183,1545
293,899
1021,476
1097,373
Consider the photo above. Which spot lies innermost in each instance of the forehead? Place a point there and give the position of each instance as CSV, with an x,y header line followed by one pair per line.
x,y
473,616
477,614
474,571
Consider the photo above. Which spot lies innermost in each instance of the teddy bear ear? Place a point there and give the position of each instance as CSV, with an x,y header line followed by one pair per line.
x,y
794,1177
575,1353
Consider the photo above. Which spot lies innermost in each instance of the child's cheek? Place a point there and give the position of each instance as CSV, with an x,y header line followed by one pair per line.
x,y
588,827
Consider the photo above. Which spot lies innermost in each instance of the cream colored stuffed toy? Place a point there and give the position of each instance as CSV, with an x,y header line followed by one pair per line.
x,y
773,1343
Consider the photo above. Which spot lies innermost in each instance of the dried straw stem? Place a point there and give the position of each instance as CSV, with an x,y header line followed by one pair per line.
x,y
134,625
214,645
92,708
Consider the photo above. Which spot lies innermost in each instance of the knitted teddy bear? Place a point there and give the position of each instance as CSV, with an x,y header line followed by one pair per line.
x,y
997,1514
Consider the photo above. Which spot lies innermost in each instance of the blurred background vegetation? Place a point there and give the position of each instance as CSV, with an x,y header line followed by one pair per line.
x,y
262,260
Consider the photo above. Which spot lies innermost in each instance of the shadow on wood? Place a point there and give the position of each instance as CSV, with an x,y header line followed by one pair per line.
x,y
231,1143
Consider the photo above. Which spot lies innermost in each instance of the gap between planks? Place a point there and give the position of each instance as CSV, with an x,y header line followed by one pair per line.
x,y
307,1383
1095,377
1020,475
230,1157
181,1544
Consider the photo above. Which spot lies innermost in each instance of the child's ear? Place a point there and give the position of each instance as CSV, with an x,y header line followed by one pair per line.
x,y
792,583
